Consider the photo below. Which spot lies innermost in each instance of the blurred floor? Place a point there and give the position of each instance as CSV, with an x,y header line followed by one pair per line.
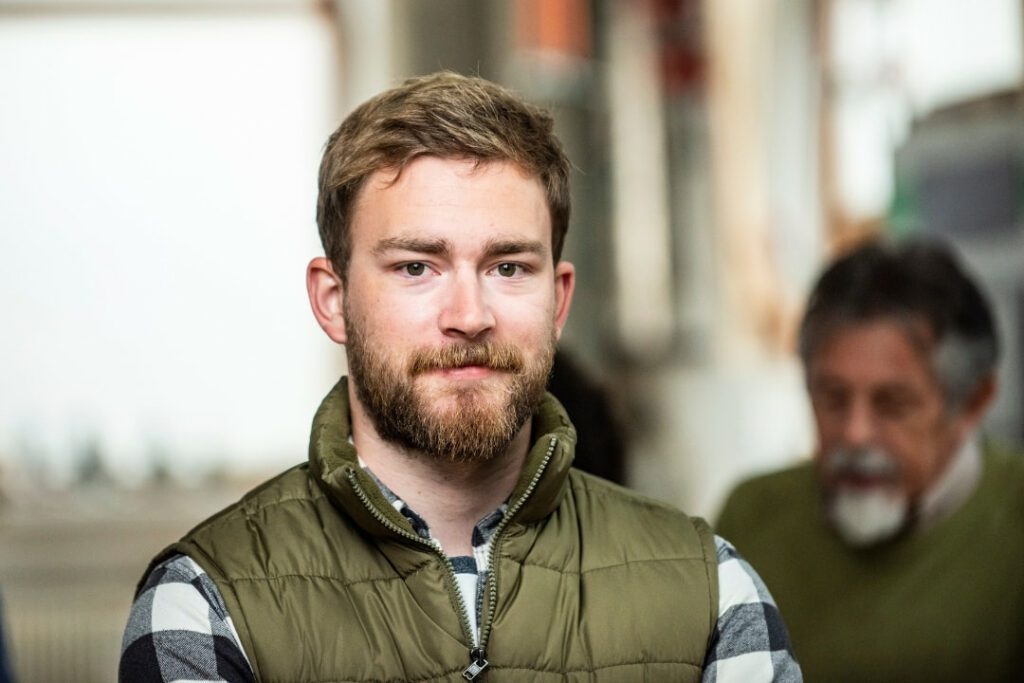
x,y
68,567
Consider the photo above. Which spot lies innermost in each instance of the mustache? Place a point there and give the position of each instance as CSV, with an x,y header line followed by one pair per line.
x,y
860,462
500,357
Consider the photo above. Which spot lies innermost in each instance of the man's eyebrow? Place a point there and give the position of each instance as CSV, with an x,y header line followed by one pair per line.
x,y
417,244
826,382
508,247
896,390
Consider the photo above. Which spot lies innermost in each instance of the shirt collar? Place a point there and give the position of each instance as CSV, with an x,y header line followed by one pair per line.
x,y
482,531
954,486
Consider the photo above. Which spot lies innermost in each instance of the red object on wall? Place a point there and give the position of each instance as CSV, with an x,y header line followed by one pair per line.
x,y
679,27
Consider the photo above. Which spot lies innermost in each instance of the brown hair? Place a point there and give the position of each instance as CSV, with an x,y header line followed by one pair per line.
x,y
446,115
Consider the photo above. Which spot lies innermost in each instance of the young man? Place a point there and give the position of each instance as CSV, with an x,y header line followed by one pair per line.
x,y
437,531
897,554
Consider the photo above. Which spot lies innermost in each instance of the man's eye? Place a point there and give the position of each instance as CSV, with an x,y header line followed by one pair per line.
x,y
893,407
415,269
830,400
508,269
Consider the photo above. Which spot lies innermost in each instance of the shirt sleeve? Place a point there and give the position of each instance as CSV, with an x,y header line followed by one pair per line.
x,y
179,630
750,643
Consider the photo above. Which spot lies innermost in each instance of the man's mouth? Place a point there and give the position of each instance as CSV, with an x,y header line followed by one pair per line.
x,y
862,481
861,470
465,372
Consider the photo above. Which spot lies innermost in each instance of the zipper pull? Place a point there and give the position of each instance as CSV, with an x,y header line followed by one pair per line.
x,y
477,663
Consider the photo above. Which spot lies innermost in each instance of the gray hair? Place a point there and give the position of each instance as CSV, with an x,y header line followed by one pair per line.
x,y
910,283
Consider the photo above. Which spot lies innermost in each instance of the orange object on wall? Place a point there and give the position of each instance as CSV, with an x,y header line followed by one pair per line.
x,y
559,26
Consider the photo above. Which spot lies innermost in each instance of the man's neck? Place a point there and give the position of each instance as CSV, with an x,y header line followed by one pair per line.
x,y
450,497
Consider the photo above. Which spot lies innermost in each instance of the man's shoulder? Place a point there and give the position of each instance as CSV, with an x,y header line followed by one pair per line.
x,y
270,503
793,477
1003,461
1002,483
627,514
293,484
768,496
616,495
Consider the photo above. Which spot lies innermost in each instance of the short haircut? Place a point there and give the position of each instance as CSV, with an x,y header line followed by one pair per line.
x,y
909,283
445,115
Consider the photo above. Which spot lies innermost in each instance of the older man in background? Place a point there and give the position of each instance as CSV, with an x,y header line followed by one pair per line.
x,y
896,554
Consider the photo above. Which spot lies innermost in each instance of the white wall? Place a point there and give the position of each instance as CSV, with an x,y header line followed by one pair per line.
x,y
157,210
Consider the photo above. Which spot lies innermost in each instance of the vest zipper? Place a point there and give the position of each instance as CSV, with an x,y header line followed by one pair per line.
x,y
476,658
492,573
477,654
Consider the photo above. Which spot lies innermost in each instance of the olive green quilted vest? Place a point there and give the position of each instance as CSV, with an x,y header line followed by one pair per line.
x,y
325,581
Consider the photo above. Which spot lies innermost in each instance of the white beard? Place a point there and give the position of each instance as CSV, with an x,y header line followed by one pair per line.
x,y
864,518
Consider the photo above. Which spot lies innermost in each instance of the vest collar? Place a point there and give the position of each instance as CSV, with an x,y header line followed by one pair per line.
x,y
334,466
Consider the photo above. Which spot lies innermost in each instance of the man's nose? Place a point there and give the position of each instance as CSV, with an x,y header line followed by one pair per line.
x,y
859,425
466,311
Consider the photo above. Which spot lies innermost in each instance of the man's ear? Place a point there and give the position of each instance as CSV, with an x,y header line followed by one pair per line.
x,y
327,298
565,282
978,403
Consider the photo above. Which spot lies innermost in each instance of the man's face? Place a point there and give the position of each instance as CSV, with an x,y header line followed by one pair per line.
x,y
885,434
452,305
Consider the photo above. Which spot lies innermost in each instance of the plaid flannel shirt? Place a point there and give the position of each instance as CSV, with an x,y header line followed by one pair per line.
x,y
179,629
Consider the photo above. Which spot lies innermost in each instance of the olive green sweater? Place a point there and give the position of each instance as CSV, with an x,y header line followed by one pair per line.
x,y
325,581
946,604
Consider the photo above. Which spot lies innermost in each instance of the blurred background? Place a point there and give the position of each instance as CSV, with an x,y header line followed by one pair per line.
x,y
158,167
